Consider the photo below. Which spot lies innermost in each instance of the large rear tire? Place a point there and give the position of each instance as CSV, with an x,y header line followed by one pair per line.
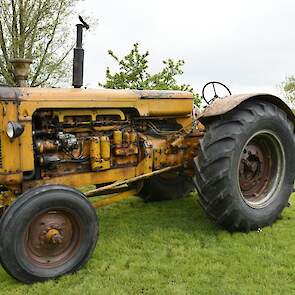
x,y
245,166
168,186
47,232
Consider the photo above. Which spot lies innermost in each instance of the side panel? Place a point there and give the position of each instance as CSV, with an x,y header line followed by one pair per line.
x,y
10,148
151,107
26,146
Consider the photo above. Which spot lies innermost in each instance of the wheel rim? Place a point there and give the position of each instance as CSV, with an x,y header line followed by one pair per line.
x,y
52,238
261,169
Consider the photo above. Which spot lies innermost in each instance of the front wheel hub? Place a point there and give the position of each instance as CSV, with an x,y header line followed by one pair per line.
x,y
52,238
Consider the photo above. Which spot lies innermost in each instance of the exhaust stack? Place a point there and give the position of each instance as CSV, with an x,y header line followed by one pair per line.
x,y
78,62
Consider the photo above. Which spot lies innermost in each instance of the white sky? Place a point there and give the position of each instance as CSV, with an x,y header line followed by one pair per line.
x,y
248,45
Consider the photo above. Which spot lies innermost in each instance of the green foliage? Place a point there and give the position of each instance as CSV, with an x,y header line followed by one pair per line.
x,y
173,248
38,30
288,87
133,74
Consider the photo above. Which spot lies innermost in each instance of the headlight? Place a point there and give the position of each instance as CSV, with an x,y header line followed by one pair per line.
x,y
14,129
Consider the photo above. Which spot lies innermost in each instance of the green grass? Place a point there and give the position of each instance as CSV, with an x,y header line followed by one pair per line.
x,y
172,248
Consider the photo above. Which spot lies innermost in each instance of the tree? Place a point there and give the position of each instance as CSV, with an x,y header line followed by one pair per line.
x,y
288,87
133,74
38,30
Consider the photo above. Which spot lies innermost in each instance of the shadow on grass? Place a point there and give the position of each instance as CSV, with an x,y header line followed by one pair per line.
x,y
133,217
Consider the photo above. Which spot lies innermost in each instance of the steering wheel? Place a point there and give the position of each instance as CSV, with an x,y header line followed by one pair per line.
x,y
215,94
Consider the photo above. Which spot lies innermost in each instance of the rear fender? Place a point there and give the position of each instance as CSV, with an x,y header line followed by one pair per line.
x,y
223,105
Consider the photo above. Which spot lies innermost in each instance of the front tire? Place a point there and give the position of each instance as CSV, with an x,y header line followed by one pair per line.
x,y
245,166
47,232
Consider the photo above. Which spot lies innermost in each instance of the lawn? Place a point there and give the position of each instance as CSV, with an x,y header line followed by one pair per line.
x,y
172,248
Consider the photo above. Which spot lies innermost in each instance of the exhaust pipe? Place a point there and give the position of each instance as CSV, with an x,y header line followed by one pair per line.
x,y
78,61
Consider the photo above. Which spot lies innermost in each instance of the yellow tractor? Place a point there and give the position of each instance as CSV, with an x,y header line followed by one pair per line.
x,y
238,153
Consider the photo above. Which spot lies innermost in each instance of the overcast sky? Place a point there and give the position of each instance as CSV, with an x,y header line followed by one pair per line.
x,y
248,45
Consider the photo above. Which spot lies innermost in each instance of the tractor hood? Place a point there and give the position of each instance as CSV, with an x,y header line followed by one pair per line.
x,y
146,102
71,93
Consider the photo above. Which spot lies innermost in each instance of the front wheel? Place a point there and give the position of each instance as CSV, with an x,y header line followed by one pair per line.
x,y
47,232
245,166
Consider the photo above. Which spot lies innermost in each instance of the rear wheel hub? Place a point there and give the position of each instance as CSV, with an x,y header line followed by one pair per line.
x,y
260,168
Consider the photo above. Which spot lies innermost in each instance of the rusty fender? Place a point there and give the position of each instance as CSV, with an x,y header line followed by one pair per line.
x,y
223,105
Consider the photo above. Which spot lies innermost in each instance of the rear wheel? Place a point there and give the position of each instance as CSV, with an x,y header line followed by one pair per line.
x,y
245,166
167,186
47,232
